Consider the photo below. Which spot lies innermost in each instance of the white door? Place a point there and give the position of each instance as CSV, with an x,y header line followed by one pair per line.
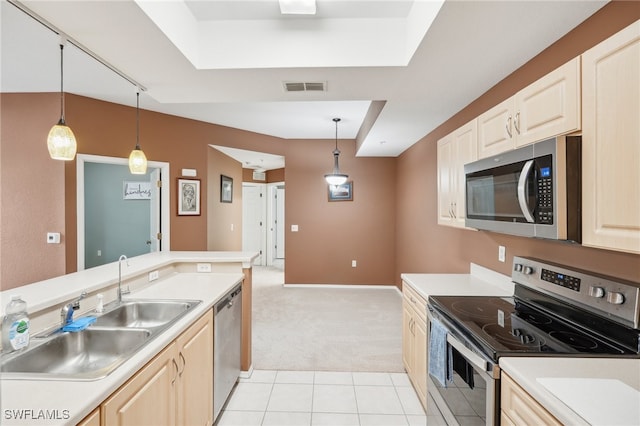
x,y
154,241
253,220
279,222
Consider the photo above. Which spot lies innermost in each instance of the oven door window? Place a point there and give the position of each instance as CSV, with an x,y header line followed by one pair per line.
x,y
466,396
493,194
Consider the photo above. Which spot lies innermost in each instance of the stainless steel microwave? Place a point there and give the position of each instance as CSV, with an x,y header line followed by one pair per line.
x,y
533,191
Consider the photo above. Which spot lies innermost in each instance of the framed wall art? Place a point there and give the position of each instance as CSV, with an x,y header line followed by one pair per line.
x,y
342,192
226,189
188,197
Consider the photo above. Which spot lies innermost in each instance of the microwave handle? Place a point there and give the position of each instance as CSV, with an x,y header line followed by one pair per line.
x,y
522,185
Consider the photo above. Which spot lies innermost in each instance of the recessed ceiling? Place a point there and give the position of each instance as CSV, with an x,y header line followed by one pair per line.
x,y
469,47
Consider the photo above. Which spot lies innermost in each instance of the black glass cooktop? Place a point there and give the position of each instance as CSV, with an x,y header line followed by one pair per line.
x,y
508,326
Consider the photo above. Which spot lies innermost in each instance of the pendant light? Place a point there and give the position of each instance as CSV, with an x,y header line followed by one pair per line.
x,y
137,159
336,178
61,140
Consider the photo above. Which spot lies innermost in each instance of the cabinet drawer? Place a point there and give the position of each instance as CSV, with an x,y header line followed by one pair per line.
x,y
520,407
414,300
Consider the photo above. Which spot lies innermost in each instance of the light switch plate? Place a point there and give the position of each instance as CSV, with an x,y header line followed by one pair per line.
x,y
294,228
502,251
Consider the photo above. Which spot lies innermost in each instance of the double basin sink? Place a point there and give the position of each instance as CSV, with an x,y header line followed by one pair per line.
x,y
95,352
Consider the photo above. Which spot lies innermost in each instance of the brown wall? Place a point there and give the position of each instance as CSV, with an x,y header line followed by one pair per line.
x,y
424,246
32,187
224,224
332,234
272,176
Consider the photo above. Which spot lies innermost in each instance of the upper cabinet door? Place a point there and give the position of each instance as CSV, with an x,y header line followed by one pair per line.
x,y
446,176
550,106
611,142
495,129
465,141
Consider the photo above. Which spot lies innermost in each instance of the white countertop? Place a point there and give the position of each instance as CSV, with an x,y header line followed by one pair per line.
x,y
55,291
479,282
581,391
70,401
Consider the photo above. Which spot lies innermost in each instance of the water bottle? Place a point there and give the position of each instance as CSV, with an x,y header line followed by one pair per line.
x,y
15,326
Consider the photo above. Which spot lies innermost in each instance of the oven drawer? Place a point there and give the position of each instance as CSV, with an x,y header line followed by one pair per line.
x,y
416,301
519,408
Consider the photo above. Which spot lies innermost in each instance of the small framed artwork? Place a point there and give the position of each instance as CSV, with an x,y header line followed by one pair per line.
x,y
226,189
342,192
188,197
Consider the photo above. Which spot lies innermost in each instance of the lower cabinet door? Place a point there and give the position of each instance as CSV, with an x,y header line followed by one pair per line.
x,y
420,365
148,398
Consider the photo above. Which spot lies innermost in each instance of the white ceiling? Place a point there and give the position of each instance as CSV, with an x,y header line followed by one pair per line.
x,y
244,50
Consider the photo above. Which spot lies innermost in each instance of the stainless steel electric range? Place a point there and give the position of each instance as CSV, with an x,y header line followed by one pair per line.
x,y
555,311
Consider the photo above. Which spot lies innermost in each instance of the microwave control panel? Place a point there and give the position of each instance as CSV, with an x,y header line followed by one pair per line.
x,y
544,182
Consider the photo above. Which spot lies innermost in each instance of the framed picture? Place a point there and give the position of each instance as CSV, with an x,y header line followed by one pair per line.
x,y
342,192
188,197
226,189
136,190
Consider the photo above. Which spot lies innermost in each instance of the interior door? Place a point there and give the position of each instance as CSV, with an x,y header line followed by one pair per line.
x,y
155,238
253,220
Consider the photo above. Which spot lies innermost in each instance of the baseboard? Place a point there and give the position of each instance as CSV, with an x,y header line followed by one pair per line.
x,y
343,286
246,374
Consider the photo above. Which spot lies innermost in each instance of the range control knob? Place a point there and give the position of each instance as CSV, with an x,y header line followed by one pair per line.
x,y
517,267
528,270
596,292
615,298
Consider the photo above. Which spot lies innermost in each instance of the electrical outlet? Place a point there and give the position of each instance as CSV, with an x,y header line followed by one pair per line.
x,y
203,267
502,251
153,275
354,263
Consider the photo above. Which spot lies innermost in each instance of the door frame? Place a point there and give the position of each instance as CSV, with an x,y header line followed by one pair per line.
x,y
261,259
165,209
272,187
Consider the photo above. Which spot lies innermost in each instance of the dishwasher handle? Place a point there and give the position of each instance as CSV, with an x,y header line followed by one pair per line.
x,y
229,300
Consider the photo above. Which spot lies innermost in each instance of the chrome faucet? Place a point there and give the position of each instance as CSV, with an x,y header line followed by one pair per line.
x,y
120,290
66,314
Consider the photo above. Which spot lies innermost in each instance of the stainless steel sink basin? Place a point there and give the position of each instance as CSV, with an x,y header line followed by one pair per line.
x,y
145,313
87,355
98,350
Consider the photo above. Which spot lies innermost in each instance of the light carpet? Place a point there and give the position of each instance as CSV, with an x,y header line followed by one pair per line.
x,y
324,329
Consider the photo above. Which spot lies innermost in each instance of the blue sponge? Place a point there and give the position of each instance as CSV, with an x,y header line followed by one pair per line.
x,y
79,324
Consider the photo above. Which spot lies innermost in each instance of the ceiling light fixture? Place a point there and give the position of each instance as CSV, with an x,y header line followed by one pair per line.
x,y
297,7
336,178
61,141
137,159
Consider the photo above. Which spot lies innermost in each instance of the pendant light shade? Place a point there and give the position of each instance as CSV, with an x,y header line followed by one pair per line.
x,y
137,159
61,141
336,178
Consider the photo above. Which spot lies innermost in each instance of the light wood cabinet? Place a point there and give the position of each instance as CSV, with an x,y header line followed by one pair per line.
x,y
518,408
195,383
611,143
148,397
176,387
92,419
414,341
546,108
454,151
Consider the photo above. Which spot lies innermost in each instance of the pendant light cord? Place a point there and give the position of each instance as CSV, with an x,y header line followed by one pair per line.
x,y
61,84
138,119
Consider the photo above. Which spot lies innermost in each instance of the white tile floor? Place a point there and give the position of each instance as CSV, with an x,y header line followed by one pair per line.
x,y
287,398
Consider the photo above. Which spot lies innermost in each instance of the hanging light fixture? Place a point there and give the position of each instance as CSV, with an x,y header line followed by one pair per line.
x,y
137,159
336,178
61,140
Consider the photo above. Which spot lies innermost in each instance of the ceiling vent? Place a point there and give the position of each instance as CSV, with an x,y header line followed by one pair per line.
x,y
294,86
259,175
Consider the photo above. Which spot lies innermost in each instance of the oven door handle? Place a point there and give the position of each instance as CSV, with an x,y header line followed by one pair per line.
x,y
467,354
522,191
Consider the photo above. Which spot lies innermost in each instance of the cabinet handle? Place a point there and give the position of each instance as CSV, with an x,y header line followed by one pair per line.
x,y
184,364
412,299
451,210
455,205
516,122
175,364
508,127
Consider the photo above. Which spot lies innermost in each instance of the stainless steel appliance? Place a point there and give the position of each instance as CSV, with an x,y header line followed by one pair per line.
x,y
227,329
533,191
555,311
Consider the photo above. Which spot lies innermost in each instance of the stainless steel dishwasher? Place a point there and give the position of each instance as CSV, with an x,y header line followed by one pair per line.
x,y
227,326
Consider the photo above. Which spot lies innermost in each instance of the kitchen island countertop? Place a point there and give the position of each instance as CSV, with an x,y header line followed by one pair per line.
x,y
591,381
